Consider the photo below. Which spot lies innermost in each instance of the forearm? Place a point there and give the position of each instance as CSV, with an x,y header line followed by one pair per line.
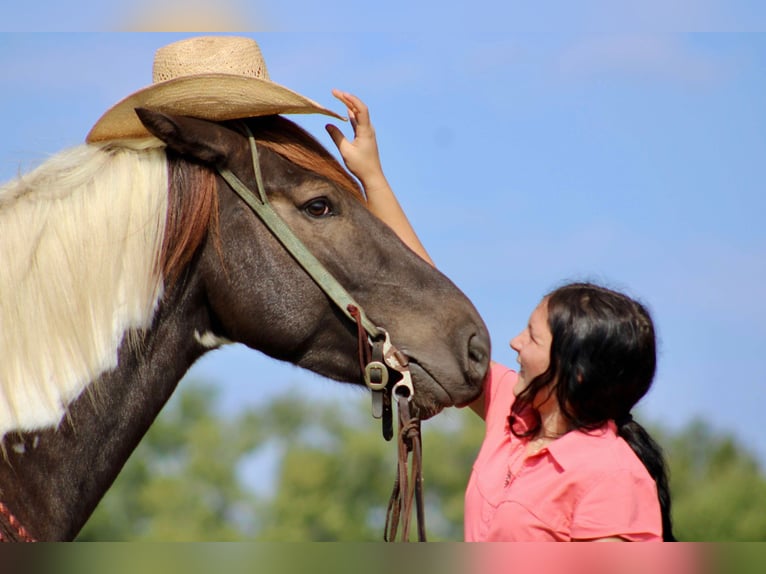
x,y
382,202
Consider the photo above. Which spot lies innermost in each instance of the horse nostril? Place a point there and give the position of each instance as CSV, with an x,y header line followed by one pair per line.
x,y
475,352
478,358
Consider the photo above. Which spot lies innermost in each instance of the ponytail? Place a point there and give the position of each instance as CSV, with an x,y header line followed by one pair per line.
x,y
650,454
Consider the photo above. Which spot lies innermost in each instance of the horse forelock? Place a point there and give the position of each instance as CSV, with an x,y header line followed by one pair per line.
x,y
80,250
300,147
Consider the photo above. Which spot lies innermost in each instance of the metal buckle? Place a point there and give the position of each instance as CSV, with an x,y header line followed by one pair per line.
x,y
398,361
375,376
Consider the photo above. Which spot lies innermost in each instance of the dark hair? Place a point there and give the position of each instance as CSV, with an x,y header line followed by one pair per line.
x,y
602,361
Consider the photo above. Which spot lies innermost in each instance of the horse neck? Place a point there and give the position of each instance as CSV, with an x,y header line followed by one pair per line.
x,y
52,480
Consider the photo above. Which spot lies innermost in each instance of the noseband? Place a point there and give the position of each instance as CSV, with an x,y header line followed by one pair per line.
x,y
376,354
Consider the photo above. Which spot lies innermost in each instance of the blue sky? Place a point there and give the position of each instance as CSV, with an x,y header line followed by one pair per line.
x,y
523,160
458,16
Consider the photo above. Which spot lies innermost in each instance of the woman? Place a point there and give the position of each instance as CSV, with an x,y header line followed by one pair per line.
x,y
562,458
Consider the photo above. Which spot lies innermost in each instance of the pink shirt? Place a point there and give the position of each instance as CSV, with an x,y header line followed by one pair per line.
x,y
580,486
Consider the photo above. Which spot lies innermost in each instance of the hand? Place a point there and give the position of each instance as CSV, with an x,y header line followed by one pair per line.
x,y
362,159
360,155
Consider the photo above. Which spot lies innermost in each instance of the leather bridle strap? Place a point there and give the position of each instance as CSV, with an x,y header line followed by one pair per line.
x,y
375,374
262,208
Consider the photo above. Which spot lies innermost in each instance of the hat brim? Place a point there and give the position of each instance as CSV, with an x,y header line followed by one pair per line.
x,y
216,97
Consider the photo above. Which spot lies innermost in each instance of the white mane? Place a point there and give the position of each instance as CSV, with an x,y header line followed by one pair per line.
x,y
80,240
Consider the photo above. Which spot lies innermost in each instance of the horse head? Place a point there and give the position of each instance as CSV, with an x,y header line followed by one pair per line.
x,y
259,296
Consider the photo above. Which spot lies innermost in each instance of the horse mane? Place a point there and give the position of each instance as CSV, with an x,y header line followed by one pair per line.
x,y
79,249
89,241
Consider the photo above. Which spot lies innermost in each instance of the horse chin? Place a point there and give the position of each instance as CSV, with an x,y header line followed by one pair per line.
x,y
430,397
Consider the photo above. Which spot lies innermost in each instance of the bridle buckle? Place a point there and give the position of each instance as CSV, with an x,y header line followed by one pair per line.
x,y
375,375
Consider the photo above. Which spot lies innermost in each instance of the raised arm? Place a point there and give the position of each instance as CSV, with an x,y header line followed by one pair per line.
x,y
363,160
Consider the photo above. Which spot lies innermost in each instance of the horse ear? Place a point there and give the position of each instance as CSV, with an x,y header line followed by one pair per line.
x,y
203,140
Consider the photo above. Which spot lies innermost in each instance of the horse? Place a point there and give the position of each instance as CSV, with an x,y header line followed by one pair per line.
x,y
123,262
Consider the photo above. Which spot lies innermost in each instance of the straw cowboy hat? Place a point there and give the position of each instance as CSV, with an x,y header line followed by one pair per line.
x,y
211,77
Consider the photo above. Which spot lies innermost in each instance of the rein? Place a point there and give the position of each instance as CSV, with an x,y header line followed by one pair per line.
x,y
376,355
406,488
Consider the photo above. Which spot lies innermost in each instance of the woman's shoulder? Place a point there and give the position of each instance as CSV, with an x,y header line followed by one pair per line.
x,y
599,451
614,493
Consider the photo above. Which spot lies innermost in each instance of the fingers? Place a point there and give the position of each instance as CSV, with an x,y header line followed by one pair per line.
x,y
345,98
337,136
361,112
358,113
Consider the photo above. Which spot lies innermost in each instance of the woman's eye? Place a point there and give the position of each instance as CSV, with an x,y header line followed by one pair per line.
x,y
318,207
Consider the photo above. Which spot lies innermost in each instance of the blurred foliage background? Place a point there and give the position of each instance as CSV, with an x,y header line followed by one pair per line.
x,y
302,470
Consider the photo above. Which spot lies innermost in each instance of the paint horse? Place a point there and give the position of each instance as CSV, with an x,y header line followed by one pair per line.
x,y
122,263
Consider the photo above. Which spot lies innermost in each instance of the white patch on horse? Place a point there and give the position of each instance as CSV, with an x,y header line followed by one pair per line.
x,y
210,340
19,448
80,252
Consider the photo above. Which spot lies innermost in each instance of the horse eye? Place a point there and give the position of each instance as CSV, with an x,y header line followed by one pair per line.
x,y
319,207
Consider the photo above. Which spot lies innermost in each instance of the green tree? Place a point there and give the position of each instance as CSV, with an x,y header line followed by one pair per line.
x,y
337,474
331,475
182,481
718,489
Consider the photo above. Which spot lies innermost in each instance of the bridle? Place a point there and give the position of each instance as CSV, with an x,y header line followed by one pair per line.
x,y
377,354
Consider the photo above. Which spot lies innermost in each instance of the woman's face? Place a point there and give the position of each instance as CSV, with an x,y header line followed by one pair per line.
x,y
533,345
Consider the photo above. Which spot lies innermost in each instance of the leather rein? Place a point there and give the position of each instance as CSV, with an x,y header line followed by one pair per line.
x,y
377,357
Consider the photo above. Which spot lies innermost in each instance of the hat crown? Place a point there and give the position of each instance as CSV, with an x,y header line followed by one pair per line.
x,y
209,55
